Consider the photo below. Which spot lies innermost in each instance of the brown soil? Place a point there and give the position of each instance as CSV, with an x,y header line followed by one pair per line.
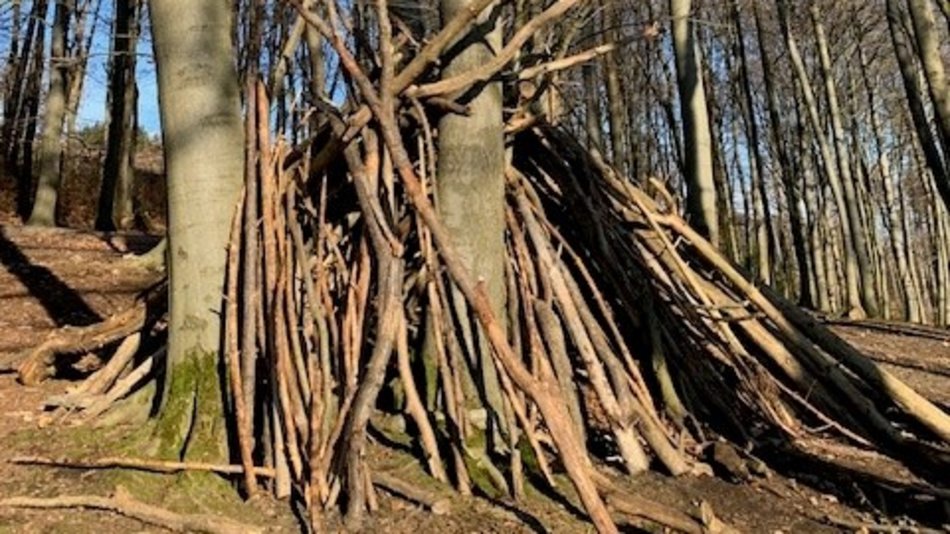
x,y
52,278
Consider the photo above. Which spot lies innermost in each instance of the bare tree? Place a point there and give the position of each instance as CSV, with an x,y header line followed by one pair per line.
x,y
51,149
115,197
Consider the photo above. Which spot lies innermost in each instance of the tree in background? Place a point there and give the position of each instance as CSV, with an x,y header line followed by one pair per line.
x,y
51,147
115,209
701,201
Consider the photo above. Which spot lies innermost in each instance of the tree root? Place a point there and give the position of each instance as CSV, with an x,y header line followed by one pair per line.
x,y
435,504
37,366
38,363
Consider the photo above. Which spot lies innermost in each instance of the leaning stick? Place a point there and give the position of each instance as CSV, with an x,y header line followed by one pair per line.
x,y
789,320
234,352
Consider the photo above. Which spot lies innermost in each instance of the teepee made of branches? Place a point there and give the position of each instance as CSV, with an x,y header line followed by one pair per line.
x,y
629,341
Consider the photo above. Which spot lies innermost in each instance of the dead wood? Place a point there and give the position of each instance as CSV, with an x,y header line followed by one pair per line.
x,y
37,365
123,504
156,466
434,503
609,293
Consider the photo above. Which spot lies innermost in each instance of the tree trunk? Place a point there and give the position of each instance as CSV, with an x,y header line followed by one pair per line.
x,y
12,77
51,150
928,49
852,275
79,63
20,106
806,295
616,112
115,197
471,195
592,114
936,162
701,204
760,204
204,144
859,245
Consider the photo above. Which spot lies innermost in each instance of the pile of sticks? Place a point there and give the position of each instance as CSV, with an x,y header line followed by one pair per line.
x,y
617,310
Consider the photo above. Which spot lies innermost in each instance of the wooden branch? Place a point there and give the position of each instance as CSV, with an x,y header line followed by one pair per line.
x,y
860,526
233,351
435,504
566,62
800,329
156,466
36,367
122,387
124,504
426,57
498,62
544,394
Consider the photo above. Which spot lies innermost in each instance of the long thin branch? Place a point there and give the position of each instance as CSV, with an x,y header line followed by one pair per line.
x,y
146,513
155,466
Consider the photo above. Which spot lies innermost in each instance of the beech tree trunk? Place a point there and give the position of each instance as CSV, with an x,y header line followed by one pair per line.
x,y
51,150
115,197
701,203
936,162
928,48
471,196
855,226
204,160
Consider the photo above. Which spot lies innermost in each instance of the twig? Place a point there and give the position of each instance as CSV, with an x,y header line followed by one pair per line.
x,y
565,63
157,466
861,526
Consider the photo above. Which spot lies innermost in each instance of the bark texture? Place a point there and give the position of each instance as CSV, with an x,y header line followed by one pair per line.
x,y
203,138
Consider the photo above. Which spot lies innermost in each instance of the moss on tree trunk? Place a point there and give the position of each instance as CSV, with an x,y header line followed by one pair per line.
x,y
191,423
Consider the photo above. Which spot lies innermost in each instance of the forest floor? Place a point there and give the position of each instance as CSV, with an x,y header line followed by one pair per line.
x,y
52,278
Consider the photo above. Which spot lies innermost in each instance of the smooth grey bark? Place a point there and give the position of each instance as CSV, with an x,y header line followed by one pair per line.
x,y
51,150
115,195
204,160
701,203
470,188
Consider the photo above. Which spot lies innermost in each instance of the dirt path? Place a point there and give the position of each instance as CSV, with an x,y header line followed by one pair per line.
x,y
52,278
